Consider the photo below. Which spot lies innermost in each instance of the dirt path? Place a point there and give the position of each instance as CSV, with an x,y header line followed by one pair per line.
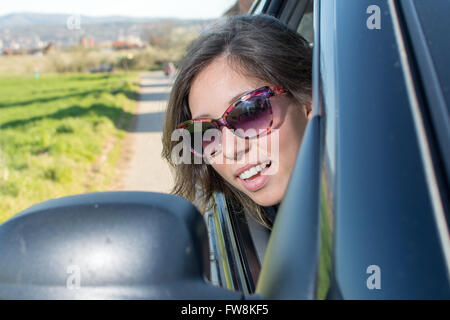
x,y
143,169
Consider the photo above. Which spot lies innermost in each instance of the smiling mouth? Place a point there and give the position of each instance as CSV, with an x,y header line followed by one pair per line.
x,y
254,178
255,171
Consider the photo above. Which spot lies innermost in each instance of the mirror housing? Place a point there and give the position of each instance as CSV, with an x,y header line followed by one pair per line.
x,y
112,245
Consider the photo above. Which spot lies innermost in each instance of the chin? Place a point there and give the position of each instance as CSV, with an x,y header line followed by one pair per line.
x,y
267,200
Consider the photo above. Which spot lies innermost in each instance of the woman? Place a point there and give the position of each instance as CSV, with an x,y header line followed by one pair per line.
x,y
248,73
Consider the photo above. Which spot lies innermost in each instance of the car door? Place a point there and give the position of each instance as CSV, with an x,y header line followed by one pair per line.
x,y
365,214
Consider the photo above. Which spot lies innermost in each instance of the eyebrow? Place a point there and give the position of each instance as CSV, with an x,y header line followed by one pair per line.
x,y
232,100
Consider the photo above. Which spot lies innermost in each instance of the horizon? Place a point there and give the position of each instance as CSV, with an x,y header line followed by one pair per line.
x,y
194,9
102,16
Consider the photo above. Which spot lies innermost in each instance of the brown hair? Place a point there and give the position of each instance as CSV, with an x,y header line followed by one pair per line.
x,y
259,47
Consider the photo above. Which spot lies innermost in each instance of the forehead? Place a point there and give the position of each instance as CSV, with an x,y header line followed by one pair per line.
x,y
214,88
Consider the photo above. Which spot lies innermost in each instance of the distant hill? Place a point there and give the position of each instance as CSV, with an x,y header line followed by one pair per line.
x,y
42,19
32,30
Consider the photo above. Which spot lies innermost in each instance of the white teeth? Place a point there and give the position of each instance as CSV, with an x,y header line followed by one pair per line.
x,y
254,170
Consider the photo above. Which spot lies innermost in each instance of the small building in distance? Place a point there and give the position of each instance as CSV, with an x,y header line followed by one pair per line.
x,y
122,45
87,42
33,51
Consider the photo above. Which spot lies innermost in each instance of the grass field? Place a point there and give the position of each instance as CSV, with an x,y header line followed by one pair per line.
x,y
60,135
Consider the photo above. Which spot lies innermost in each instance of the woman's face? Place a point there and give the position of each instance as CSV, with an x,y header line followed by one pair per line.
x,y
212,92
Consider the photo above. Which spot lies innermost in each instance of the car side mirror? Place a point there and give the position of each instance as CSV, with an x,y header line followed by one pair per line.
x,y
112,245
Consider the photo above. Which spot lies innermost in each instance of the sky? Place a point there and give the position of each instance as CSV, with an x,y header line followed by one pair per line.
x,y
137,8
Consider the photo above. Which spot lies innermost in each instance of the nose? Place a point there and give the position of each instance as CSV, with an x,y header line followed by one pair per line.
x,y
233,147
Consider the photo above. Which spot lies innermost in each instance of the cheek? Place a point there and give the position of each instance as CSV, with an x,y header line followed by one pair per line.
x,y
223,170
291,133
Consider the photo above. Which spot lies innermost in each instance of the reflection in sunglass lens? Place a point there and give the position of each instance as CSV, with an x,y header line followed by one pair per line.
x,y
211,142
204,138
252,114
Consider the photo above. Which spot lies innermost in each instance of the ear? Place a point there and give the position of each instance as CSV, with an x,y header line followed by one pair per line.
x,y
308,110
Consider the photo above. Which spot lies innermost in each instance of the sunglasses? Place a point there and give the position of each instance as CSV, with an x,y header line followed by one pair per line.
x,y
248,117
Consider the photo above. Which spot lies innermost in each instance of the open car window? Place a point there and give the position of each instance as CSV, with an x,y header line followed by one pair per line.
x,y
305,28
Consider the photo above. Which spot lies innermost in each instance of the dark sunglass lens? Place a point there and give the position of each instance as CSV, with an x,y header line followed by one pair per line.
x,y
211,142
204,137
252,115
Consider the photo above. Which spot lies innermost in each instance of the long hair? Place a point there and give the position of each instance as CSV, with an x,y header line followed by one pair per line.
x,y
259,47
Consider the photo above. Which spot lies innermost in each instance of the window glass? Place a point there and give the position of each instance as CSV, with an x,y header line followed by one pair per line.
x,y
433,17
306,26
259,6
305,29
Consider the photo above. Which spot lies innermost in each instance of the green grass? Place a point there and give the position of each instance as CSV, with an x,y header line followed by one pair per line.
x,y
60,135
